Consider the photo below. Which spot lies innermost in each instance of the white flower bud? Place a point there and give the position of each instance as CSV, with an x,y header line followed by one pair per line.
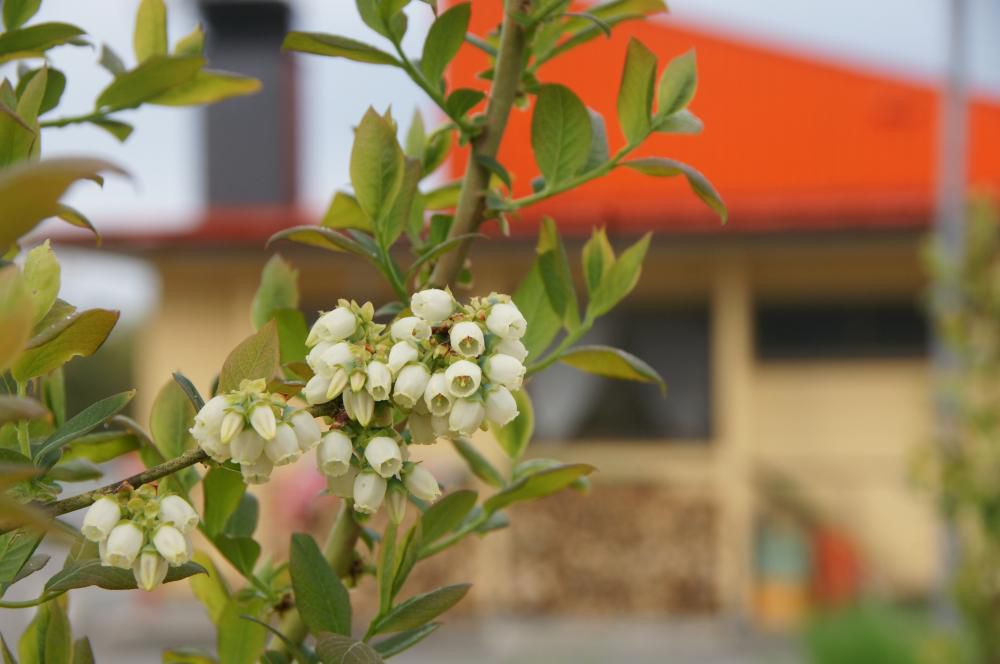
x,y
433,305
258,471
334,325
337,384
284,447
263,421
467,338
421,483
342,485
401,354
359,406
314,358
306,430
501,407
315,390
512,347
246,447
149,570
384,456
379,380
440,425
410,328
232,425
410,385
466,416
333,456
171,544
101,518
421,429
358,380
463,378
214,448
177,512
506,321
208,421
123,545
437,396
395,503
505,370
369,491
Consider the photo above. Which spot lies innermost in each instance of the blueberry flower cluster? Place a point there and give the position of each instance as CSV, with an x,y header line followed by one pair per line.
x,y
256,429
443,370
142,531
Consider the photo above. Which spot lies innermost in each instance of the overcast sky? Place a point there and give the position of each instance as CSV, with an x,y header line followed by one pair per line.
x,y
904,38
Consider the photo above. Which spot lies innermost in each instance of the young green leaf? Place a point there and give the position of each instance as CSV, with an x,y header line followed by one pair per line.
x,y
292,334
538,485
318,43
681,122
420,610
150,37
398,215
386,567
703,189
478,464
279,289
120,130
82,652
111,61
207,87
38,38
55,85
543,322
445,515
598,258
210,588
599,153
83,422
677,85
41,276
463,100
192,44
341,649
242,552
377,166
170,419
100,447
344,212
619,280
18,12
256,357
16,315
635,94
48,638
152,78
16,549
445,37
404,640
612,363
321,598
80,335
560,133
324,238
553,265
409,553
241,640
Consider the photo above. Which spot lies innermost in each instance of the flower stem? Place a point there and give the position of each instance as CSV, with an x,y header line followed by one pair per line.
x,y
28,603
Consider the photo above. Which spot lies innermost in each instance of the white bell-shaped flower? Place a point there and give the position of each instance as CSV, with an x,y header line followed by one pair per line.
x,y
395,503
379,383
247,447
334,325
123,545
513,347
101,518
177,512
401,354
501,408
342,485
437,396
421,429
433,305
232,425
463,378
467,338
440,424
208,421
505,321
263,421
149,570
314,358
505,370
284,447
384,456
422,484
315,390
359,406
306,430
466,416
410,385
369,492
257,472
171,544
410,328
333,456
215,449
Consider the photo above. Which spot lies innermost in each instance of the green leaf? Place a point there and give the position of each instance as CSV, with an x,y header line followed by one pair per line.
x,y
598,258
82,652
543,322
495,168
120,130
16,313
677,84
386,570
446,514
703,189
336,46
320,597
239,640
279,289
242,552
13,409
339,649
74,217
420,609
55,85
376,166
47,638
612,363
404,640
54,394
408,556
256,357
292,333
8,656
439,250
15,134
445,37
29,104
681,122
111,61
82,423
35,40
207,87
560,133
619,280
169,420
191,44
30,192
80,335
395,220
188,656
222,490
16,549
516,434
599,153
478,464
100,447
150,37
190,390
463,100
149,80
538,485
324,238
553,265
243,521
90,572
35,563
344,212
210,588
444,197
635,95
74,470
18,12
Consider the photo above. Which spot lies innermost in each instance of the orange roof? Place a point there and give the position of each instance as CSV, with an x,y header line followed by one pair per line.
x,y
791,143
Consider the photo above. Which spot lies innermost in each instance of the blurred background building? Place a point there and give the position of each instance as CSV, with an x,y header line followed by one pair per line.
x,y
780,469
